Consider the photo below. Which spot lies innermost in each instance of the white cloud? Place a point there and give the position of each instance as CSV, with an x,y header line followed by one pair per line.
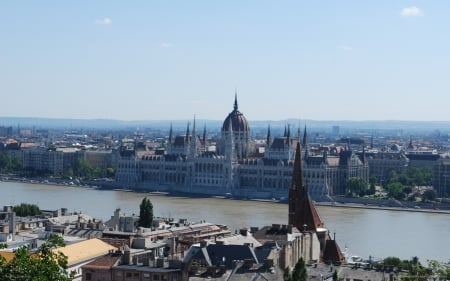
x,y
166,45
345,48
411,12
103,21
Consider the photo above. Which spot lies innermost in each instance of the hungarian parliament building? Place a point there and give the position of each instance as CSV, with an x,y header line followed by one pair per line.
x,y
235,165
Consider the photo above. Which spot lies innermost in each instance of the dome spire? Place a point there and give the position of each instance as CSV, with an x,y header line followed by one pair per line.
x,y
235,100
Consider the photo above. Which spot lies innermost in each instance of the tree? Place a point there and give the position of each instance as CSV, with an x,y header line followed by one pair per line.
x,y
24,210
356,187
299,273
335,276
45,265
287,275
429,195
110,172
395,190
145,213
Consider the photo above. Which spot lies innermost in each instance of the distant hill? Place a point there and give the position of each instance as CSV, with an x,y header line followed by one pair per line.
x,y
314,125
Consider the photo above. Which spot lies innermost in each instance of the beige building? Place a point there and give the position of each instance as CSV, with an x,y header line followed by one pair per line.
x,y
80,253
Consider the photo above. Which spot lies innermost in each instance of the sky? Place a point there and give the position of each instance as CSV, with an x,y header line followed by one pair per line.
x,y
173,60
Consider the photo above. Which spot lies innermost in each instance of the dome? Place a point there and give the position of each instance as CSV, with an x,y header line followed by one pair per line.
x,y
237,120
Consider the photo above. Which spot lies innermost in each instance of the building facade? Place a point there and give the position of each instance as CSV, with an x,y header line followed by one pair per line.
x,y
235,167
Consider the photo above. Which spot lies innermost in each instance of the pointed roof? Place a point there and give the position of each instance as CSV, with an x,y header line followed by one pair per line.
x,y
204,134
187,132
302,212
269,137
305,138
170,133
288,134
332,252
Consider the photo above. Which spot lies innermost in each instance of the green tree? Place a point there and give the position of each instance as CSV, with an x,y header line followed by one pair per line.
x,y
10,164
335,275
439,270
392,261
145,213
395,190
299,273
45,265
110,172
287,275
25,209
429,195
356,187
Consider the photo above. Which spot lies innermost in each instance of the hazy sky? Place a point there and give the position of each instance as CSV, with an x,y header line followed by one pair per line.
x,y
148,60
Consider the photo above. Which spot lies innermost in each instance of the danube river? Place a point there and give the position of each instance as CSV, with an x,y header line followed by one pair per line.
x,y
366,232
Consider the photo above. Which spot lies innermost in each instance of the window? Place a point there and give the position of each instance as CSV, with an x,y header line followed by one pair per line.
x,y
88,276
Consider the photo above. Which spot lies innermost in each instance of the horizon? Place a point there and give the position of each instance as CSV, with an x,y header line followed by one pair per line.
x,y
323,61
221,120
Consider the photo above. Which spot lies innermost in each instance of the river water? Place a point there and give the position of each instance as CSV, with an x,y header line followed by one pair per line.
x,y
365,232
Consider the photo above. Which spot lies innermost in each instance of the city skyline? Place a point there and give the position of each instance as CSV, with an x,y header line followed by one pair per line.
x,y
346,60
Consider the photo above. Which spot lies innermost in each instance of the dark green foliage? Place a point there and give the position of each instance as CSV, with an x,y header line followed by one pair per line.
x,y
24,210
45,265
395,190
85,170
287,275
411,177
299,273
145,213
10,164
429,195
110,172
392,261
356,187
335,276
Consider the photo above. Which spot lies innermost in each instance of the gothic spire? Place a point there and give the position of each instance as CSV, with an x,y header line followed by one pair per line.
x,y
288,135
187,133
204,135
305,144
269,137
302,212
297,177
305,138
170,133
235,101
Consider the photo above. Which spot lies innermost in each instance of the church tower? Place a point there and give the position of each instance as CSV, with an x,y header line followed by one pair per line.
x,y
302,212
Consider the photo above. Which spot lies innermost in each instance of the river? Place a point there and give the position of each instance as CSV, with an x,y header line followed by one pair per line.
x,y
366,232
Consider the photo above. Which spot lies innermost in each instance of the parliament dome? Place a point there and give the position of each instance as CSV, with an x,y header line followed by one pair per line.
x,y
237,120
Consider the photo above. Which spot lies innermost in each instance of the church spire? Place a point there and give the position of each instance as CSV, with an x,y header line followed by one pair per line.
x,y
194,140
305,138
170,134
187,133
305,144
302,212
204,135
288,135
269,137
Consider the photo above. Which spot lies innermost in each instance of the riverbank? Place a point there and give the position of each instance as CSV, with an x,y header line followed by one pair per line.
x,y
338,202
400,209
